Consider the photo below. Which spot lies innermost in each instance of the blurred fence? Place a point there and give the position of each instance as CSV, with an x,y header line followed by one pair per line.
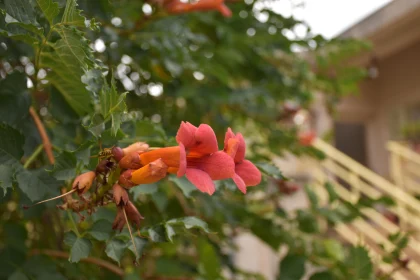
x,y
351,181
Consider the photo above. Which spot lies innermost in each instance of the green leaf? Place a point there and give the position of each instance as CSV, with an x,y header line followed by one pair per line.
x,y
69,58
11,143
307,222
190,222
332,195
49,8
72,15
183,183
21,10
170,232
6,178
157,233
292,267
140,245
322,276
313,198
14,99
143,189
209,261
65,166
36,183
359,265
115,249
270,170
334,249
80,249
112,105
69,238
101,230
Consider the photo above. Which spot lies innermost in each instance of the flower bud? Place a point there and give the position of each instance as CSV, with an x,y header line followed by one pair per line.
x,y
83,182
118,153
125,179
136,147
120,194
130,161
133,215
150,173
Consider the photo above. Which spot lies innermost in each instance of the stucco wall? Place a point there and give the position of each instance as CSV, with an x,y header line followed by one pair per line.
x,y
397,86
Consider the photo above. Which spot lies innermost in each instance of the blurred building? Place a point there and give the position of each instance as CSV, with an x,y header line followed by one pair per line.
x,y
388,106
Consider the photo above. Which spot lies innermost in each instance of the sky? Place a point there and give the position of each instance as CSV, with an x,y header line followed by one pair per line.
x,y
330,17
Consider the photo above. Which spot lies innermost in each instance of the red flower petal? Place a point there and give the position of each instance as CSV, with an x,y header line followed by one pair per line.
x,y
229,134
182,161
248,172
205,140
186,134
240,153
232,147
239,183
201,180
218,165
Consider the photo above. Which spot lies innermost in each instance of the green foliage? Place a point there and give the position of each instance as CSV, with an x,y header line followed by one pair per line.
x,y
152,72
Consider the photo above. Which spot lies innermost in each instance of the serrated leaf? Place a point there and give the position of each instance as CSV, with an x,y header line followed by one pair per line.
x,y
36,183
14,99
270,170
140,245
115,249
307,222
49,8
292,267
69,58
65,166
101,230
190,222
112,105
157,233
332,195
21,10
72,15
183,183
80,249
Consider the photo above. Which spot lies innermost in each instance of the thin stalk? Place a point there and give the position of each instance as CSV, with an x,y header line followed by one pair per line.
x,y
131,235
74,223
34,155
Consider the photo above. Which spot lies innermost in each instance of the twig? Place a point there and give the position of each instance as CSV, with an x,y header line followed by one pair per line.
x,y
44,136
33,156
59,254
73,223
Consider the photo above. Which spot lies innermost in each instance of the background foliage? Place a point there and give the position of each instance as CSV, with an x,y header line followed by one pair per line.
x,y
103,73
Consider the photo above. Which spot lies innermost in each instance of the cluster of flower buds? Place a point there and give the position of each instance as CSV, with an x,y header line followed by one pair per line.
x,y
197,156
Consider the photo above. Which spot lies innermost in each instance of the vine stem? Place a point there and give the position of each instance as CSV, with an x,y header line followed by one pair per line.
x,y
63,255
33,156
43,133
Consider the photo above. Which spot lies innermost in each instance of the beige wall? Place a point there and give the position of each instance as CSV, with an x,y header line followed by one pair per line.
x,y
398,85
